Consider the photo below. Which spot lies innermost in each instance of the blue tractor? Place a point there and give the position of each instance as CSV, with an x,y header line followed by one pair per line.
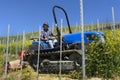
x,y
71,49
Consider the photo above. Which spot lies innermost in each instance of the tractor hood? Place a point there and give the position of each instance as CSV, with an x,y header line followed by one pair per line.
x,y
88,37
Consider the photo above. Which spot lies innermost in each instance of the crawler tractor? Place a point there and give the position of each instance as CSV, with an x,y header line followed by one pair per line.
x,y
49,58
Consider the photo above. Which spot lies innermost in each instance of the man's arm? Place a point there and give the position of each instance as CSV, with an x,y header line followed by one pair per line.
x,y
54,35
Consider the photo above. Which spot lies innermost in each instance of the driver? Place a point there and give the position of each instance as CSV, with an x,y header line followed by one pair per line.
x,y
46,35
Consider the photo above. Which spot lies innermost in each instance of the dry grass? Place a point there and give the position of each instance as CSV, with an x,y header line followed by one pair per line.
x,y
49,77
19,76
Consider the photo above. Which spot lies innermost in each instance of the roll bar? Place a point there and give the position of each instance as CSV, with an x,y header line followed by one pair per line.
x,y
56,23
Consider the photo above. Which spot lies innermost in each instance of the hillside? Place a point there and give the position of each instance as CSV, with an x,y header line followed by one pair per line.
x,y
87,27
100,63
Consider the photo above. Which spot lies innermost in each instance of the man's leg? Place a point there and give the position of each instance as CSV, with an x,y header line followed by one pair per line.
x,y
51,44
55,41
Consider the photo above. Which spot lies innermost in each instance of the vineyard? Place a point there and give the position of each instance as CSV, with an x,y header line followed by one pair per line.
x,y
102,60
59,40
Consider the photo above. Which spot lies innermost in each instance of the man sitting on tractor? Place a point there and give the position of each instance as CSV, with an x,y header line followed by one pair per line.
x,y
47,36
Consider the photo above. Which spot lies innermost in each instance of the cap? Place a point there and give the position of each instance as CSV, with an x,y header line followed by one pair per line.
x,y
45,24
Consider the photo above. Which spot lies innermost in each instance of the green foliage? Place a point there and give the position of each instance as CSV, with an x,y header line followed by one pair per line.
x,y
28,74
103,59
1,63
75,74
12,47
2,48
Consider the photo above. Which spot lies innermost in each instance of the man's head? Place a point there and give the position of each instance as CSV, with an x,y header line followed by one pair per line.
x,y
45,26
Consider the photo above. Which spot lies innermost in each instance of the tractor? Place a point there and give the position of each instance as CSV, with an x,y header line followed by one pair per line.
x,y
71,58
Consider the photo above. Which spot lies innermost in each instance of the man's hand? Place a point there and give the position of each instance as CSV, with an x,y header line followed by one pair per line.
x,y
55,35
46,39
